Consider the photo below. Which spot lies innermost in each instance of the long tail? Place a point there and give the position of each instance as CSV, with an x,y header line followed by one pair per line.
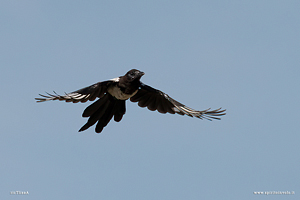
x,y
102,111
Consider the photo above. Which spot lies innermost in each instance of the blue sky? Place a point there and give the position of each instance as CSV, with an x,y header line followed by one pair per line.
x,y
239,55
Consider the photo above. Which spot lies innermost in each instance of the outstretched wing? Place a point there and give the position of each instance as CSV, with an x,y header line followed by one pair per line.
x,y
82,95
157,100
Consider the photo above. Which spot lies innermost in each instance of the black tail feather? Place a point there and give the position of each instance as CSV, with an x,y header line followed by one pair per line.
x,y
120,110
106,117
91,109
102,111
96,115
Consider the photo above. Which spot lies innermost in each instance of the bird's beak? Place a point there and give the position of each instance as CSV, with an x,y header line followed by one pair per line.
x,y
141,74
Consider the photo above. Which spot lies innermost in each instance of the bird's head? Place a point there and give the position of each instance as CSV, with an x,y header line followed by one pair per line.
x,y
134,74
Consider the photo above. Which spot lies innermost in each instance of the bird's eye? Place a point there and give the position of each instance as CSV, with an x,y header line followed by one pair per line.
x,y
132,75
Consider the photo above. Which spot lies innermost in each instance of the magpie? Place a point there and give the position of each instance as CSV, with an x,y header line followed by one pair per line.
x,y
113,93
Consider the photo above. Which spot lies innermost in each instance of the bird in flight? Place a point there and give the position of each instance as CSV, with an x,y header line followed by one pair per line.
x,y
113,93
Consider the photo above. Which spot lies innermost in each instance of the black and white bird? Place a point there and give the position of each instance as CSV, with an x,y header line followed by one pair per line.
x,y
113,93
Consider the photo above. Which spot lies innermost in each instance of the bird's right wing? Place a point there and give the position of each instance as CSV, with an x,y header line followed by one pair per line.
x,y
82,95
154,99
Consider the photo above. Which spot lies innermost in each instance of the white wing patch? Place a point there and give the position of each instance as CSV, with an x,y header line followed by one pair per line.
x,y
115,79
74,97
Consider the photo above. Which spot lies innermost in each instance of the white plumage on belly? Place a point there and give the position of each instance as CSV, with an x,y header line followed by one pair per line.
x,y
118,94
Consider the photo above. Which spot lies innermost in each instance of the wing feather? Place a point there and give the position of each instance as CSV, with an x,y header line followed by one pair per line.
x,y
82,95
155,99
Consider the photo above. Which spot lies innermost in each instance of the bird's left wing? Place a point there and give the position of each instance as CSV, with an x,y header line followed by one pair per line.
x,y
82,95
157,100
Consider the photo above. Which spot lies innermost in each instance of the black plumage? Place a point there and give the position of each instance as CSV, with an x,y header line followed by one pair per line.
x,y
113,93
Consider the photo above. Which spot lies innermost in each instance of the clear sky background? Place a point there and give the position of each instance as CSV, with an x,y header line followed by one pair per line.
x,y
240,55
